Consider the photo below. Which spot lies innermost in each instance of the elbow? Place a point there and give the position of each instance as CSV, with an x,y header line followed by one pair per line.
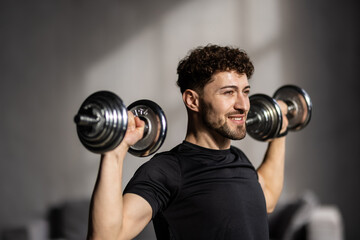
x,y
103,236
270,208
104,233
271,201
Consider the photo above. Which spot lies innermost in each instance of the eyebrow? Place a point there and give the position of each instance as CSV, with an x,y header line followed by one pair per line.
x,y
234,87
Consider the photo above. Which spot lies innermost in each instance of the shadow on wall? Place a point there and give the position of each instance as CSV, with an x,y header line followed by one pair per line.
x,y
321,49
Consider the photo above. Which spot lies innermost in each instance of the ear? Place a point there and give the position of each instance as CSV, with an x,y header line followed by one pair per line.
x,y
191,100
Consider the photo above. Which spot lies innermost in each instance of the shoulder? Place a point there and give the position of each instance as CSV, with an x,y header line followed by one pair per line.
x,y
237,151
240,154
157,180
162,165
163,160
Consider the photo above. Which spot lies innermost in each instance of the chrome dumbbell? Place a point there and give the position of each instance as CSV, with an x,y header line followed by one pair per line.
x,y
265,119
102,120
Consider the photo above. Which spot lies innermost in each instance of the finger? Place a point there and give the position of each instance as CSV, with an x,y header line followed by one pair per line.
x,y
134,131
139,123
131,121
140,126
285,123
283,106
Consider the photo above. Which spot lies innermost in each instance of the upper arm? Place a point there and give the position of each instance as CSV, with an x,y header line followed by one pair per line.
x,y
262,184
270,205
137,213
271,172
149,191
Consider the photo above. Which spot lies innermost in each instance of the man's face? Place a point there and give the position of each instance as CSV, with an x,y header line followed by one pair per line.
x,y
225,103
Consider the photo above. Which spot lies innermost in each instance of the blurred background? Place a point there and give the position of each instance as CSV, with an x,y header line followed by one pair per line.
x,y
53,54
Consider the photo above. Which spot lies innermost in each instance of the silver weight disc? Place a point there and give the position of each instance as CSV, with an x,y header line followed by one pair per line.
x,y
299,106
264,118
101,121
155,127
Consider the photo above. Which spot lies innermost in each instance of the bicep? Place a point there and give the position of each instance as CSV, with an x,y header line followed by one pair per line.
x,y
262,183
137,213
264,189
267,194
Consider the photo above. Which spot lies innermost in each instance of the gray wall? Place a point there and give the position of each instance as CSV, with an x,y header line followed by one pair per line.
x,y
53,54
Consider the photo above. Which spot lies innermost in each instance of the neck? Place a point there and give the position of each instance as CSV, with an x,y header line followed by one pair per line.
x,y
201,135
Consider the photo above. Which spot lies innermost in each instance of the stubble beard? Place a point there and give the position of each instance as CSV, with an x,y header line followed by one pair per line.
x,y
222,129
237,134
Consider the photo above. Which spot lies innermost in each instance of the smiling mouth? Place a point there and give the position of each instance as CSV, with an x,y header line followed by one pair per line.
x,y
237,118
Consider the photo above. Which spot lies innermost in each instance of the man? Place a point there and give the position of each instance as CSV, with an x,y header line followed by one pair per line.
x,y
204,188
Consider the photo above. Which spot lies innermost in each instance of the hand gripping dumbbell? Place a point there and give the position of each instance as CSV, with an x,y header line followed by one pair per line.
x,y
102,121
265,118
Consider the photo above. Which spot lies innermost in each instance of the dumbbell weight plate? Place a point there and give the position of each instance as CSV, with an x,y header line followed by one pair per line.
x,y
300,105
155,127
101,121
264,118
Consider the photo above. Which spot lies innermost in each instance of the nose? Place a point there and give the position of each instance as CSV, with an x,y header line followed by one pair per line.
x,y
242,103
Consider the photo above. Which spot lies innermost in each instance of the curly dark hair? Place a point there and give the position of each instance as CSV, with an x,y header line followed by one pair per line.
x,y
196,69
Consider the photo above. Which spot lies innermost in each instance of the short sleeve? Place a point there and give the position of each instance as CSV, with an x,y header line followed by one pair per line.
x,y
157,181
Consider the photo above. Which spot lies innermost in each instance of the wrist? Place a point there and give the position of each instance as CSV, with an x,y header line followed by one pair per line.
x,y
279,141
118,153
283,134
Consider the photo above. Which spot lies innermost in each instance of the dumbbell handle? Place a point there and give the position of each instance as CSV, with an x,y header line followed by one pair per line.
x,y
291,108
86,120
253,120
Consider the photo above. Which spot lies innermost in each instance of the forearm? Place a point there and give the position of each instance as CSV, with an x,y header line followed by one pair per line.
x,y
106,211
271,172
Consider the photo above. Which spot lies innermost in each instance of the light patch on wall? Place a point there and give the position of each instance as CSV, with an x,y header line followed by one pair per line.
x,y
268,73
263,21
197,23
131,71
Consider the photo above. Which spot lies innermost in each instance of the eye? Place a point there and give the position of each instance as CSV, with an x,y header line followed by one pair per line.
x,y
247,91
229,92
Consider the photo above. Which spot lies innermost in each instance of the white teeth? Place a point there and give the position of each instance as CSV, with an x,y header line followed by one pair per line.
x,y
237,119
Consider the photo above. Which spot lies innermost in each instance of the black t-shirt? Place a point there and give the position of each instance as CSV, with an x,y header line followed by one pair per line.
x,y
199,193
